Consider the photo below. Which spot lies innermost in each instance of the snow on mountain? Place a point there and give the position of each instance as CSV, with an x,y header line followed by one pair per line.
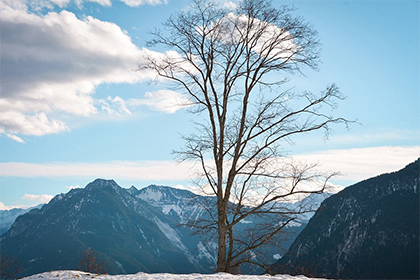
x,y
171,234
68,274
178,204
131,230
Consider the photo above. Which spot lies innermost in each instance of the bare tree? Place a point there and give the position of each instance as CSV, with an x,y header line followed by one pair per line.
x,y
10,267
89,263
233,66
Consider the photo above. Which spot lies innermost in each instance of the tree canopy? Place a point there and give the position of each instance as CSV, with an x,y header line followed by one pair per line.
x,y
233,66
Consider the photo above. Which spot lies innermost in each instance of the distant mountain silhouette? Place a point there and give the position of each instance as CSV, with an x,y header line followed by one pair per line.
x,y
8,217
367,231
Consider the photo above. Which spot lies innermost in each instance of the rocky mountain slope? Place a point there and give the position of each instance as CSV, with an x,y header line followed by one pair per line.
x,y
367,231
131,230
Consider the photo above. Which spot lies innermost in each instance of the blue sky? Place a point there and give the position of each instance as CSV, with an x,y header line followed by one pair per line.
x,y
71,109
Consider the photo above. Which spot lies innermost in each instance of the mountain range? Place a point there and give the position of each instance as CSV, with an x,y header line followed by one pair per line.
x,y
130,230
369,230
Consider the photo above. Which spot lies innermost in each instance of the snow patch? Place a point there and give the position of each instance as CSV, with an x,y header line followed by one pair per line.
x,y
171,234
204,253
277,256
166,209
293,224
150,194
120,266
68,274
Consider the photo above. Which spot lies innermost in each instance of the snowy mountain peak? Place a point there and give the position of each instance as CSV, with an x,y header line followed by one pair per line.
x,y
162,194
151,193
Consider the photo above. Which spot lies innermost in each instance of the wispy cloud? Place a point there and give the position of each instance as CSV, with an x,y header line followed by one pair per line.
x,y
114,106
355,164
376,136
362,163
230,4
15,137
142,170
13,5
167,101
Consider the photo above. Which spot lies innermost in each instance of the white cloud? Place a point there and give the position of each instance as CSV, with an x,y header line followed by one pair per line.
x,y
263,38
38,124
54,62
163,100
38,198
16,138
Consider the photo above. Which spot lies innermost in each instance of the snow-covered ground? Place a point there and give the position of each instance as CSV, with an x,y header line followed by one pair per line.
x,y
68,274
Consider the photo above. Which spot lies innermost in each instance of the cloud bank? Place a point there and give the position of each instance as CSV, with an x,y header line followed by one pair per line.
x,y
119,170
355,164
363,163
52,64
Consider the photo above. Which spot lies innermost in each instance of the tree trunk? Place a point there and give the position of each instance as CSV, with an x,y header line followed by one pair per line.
x,y
222,231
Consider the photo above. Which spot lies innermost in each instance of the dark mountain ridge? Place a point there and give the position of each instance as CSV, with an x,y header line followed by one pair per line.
x,y
367,231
